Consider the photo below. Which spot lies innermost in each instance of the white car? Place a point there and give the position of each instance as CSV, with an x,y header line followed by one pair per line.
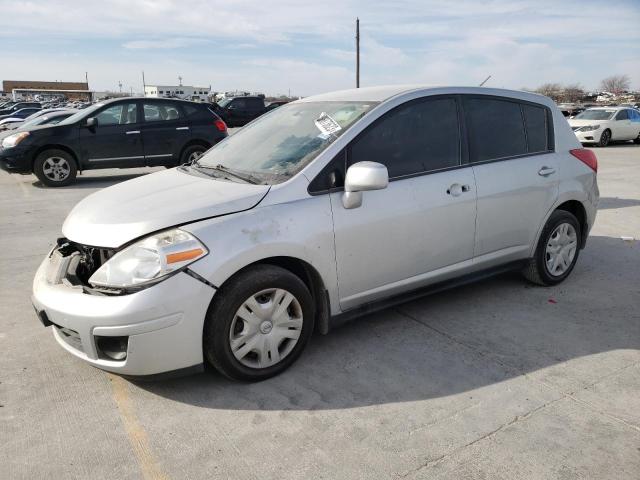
x,y
318,211
602,125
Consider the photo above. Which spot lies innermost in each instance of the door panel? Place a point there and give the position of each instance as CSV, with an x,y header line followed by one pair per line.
x,y
116,141
406,230
165,131
513,199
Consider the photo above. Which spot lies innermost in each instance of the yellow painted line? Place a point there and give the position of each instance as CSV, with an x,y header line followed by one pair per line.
x,y
135,431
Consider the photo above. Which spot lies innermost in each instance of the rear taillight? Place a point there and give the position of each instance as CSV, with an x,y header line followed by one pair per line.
x,y
220,125
587,157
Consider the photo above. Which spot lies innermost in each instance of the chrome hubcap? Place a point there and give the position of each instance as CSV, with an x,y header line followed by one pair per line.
x,y
561,249
56,168
266,328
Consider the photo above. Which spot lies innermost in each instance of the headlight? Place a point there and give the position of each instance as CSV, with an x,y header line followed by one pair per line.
x,y
13,140
149,260
589,128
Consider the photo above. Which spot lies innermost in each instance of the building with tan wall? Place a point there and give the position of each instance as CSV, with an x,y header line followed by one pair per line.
x,y
71,90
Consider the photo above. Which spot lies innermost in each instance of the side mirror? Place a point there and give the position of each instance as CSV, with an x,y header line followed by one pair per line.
x,y
361,177
91,123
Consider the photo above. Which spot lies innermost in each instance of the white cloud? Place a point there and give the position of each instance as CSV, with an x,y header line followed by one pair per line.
x,y
162,43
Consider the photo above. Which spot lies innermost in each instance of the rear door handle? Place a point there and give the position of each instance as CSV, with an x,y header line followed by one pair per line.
x,y
133,132
546,171
456,189
182,128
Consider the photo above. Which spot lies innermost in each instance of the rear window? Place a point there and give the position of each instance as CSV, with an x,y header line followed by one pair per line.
x,y
535,119
496,129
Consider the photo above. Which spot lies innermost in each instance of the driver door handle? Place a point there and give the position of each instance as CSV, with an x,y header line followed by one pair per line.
x,y
456,189
546,171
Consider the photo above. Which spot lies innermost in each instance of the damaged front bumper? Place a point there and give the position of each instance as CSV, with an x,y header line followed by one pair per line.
x,y
151,331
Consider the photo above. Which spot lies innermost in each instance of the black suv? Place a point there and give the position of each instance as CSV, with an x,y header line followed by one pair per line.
x,y
120,133
238,111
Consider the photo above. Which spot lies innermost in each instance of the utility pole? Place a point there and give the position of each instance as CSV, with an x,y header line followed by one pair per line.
x,y
357,52
144,84
120,85
180,78
86,79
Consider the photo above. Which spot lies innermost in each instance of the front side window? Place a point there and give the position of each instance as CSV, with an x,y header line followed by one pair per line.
x,y
278,145
622,115
120,114
496,129
160,111
417,137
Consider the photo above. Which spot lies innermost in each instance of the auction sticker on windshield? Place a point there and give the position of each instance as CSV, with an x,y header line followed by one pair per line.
x,y
327,125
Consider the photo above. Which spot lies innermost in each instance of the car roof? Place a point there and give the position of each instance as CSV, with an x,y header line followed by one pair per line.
x,y
386,92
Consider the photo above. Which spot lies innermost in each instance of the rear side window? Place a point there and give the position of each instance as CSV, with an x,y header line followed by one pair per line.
x,y
535,119
417,137
255,103
496,129
161,111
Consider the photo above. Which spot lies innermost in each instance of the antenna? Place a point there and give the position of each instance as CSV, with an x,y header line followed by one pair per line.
x,y
357,53
485,81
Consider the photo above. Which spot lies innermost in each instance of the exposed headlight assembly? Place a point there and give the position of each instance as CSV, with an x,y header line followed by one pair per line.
x,y
13,140
149,260
589,128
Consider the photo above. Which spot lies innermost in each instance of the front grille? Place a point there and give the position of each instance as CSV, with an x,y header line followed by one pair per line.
x,y
70,337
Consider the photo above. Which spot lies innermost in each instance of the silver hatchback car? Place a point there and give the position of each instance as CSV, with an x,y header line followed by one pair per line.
x,y
318,211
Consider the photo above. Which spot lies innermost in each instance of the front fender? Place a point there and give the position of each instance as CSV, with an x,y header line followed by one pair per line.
x,y
301,229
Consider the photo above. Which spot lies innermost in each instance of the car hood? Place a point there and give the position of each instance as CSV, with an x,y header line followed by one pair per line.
x,y
581,123
116,215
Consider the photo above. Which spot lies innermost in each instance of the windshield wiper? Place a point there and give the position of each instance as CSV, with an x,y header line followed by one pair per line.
x,y
234,173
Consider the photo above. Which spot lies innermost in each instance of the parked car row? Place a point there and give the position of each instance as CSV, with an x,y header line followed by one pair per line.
x,y
120,133
44,115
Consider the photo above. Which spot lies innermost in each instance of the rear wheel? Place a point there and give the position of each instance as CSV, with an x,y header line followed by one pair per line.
x,y
637,140
55,168
258,324
605,138
557,250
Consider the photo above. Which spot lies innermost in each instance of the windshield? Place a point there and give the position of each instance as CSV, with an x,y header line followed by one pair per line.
x,y
282,142
85,113
595,115
225,101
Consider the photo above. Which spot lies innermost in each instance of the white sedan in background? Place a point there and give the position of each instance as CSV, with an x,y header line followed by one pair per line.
x,y
605,124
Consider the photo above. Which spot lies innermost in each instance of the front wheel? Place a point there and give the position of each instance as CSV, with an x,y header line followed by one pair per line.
x,y
557,250
258,324
55,168
605,138
637,140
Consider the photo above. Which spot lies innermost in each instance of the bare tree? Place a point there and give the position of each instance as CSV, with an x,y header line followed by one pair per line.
x,y
573,93
552,90
616,84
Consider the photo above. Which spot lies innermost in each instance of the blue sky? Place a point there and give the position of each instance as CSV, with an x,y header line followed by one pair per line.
x,y
307,47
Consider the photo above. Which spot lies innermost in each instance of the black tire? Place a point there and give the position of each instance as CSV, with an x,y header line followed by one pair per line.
x,y
53,163
186,156
637,140
605,138
537,270
222,312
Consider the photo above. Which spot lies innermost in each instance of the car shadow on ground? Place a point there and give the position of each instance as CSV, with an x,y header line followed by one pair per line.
x,y
452,342
608,203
